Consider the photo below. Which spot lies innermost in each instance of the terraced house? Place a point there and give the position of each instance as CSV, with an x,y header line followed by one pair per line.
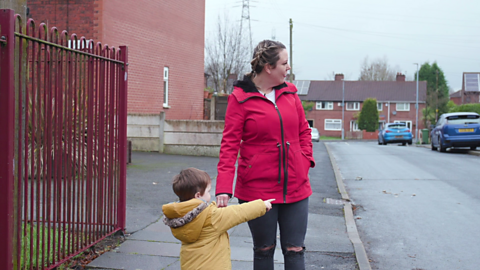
x,y
395,102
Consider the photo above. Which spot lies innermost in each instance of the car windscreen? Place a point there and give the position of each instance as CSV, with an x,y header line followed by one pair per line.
x,y
396,126
463,119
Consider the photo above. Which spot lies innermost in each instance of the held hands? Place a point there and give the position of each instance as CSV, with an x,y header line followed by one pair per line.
x,y
222,200
268,204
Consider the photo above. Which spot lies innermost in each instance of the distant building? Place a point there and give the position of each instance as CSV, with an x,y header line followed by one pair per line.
x,y
470,92
395,102
456,97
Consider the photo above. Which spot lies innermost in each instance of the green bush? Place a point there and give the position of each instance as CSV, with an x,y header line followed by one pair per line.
x,y
471,107
368,118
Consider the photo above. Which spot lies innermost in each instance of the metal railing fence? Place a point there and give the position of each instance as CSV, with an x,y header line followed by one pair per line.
x,y
63,108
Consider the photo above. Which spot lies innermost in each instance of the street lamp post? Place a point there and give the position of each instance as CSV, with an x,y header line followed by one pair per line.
x,y
416,113
343,109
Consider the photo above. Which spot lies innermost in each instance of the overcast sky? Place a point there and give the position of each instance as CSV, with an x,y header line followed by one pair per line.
x,y
336,36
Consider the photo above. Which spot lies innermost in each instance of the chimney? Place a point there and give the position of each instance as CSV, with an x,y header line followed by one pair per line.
x,y
400,77
338,77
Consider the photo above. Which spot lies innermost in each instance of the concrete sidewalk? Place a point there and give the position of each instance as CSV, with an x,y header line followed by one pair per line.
x,y
150,244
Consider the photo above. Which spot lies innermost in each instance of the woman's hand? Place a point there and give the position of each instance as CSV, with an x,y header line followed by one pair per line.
x,y
222,200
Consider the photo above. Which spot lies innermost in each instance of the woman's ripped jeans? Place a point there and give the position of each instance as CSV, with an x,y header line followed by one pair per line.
x,y
292,220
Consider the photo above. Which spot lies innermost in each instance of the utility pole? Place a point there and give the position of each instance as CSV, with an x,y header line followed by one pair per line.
x,y
436,98
246,16
291,52
416,112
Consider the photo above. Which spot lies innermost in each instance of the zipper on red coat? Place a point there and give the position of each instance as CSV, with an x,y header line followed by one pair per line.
x,y
285,187
283,152
279,163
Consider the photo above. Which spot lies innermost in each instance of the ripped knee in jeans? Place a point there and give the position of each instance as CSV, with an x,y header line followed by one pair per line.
x,y
264,252
292,250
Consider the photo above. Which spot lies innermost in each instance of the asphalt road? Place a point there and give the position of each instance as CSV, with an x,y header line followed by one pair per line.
x,y
415,208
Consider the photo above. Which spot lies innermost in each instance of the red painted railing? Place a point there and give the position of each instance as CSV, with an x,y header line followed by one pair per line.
x,y
63,104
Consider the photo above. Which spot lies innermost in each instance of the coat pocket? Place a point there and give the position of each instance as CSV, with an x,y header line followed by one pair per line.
x,y
262,167
301,167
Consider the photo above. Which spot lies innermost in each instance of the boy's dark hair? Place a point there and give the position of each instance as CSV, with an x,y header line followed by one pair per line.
x,y
190,181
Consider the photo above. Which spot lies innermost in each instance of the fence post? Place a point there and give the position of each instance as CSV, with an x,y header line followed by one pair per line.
x,y
7,113
122,201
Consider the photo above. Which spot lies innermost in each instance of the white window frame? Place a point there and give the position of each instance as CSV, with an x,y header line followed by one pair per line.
x,y
354,125
333,122
356,106
408,123
79,45
165,87
406,108
328,105
379,106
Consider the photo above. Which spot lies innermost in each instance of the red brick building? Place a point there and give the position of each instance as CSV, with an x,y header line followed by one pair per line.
x,y
395,102
165,40
470,92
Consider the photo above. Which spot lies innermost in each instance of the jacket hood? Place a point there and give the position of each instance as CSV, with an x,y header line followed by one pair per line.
x,y
186,219
245,89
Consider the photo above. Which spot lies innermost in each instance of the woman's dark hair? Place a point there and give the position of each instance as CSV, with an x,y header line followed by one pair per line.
x,y
190,181
265,53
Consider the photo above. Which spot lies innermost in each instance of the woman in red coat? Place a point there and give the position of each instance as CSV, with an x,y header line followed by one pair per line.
x,y
266,122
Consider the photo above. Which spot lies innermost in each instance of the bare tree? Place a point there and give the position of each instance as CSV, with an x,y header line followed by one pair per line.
x,y
226,55
377,70
330,76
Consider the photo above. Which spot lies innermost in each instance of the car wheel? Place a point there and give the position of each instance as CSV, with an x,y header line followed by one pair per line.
x,y
440,146
473,148
433,147
410,142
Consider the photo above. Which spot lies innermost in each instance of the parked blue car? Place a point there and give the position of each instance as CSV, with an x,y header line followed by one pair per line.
x,y
395,133
461,129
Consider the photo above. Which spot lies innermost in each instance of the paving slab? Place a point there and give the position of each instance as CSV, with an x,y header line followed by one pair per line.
x,y
327,233
149,248
112,260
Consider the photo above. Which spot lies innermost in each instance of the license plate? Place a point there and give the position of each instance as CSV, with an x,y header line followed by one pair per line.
x,y
398,136
465,130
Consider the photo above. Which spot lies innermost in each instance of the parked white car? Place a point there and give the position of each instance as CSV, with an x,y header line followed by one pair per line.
x,y
315,135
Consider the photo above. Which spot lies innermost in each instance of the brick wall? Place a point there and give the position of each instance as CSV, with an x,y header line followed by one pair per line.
x,y
75,16
160,34
168,33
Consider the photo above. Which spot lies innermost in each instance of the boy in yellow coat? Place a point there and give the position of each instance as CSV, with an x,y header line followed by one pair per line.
x,y
202,227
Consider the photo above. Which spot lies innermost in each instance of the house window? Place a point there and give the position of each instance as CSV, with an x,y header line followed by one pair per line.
x,y
407,123
323,105
353,106
333,124
165,87
79,44
379,106
354,126
403,106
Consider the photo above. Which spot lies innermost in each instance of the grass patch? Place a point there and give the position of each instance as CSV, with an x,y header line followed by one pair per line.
x,y
43,234
325,138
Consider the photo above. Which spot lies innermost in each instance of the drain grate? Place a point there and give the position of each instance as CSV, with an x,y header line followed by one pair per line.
x,y
334,201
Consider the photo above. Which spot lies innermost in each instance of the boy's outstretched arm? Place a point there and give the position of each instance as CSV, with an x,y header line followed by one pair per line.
x,y
228,217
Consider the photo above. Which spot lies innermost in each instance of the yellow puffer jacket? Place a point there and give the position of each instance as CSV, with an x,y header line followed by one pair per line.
x,y
205,241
